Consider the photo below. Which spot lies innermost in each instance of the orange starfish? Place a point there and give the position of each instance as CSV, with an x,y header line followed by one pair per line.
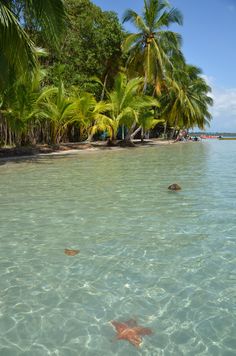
x,y
130,331
71,252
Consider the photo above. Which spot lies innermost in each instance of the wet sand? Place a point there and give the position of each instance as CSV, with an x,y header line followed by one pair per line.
x,y
15,153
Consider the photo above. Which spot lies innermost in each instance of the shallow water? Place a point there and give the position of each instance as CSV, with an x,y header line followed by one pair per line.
x,y
165,259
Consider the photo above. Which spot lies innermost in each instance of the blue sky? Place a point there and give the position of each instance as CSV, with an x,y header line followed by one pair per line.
x,y
209,41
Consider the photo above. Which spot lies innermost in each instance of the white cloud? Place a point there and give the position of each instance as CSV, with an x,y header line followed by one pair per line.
x,y
224,108
224,102
208,79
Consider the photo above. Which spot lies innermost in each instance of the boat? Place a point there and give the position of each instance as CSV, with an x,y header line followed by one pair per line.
x,y
208,136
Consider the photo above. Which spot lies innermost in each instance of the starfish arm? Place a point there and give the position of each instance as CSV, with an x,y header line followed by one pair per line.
x,y
119,326
135,340
130,335
143,331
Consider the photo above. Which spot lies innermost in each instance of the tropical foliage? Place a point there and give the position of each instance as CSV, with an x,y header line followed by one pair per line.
x,y
127,104
185,99
94,78
151,48
91,47
17,18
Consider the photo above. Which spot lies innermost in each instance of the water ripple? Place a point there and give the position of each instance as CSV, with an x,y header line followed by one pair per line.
x,y
164,259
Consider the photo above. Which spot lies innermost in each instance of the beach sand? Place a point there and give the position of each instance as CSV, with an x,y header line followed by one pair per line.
x,y
14,153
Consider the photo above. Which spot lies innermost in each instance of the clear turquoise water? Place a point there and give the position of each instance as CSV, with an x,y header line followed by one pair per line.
x,y
166,259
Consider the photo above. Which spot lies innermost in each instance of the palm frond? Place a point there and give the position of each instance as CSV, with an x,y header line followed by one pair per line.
x,y
173,16
150,12
50,16
15,45
131,40
135,19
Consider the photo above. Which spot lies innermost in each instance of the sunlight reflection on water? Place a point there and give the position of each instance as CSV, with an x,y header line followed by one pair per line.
x,y
163,258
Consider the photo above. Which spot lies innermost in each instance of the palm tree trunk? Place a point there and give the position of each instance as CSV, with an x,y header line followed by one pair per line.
x,y
10,136
135,132
145,84
142,134
90,137
3,130
104,87
174,129
147,134
53,134
123,132
165,127
128,136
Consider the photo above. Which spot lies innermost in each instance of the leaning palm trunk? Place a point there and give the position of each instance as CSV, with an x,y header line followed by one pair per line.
x,y
104,87
173,133
90,137
174,129
135,132
131,133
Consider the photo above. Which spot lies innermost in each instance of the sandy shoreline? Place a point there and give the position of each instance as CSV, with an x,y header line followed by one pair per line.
x,y
11,154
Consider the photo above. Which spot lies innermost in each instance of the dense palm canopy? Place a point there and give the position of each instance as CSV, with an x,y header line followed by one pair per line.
x,y
63,105
20,105
57,107
90,115
152,46
127,103
17,50
186,98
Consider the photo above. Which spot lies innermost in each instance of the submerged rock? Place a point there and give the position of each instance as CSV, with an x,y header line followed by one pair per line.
x,y
71,252
174,186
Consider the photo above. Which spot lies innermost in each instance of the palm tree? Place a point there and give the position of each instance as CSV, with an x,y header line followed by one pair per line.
x,y
55,106
151,47
147,121
17,51
78,109
186,99
19,108
90,115
127,104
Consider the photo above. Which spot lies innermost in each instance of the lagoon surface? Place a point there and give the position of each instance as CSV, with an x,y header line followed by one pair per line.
x,y
165,259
